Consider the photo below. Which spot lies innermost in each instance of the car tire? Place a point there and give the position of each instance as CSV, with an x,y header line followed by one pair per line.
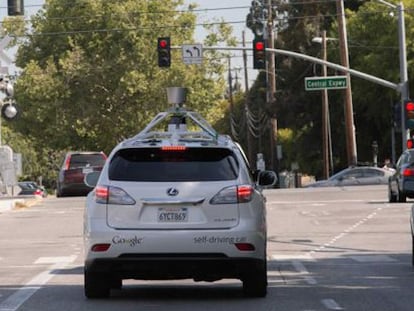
x,y
392,197
255,281
96,285
402,198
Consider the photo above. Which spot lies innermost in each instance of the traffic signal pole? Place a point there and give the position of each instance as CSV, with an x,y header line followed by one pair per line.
x,y
271,84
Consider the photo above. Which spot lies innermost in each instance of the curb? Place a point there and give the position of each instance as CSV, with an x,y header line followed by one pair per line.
x,y
7,204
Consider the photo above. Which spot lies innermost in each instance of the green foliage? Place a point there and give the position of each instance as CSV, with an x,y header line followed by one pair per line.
x,y
91,79
90,75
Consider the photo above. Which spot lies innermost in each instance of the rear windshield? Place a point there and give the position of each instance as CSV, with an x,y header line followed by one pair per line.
x,y
192,164
82,160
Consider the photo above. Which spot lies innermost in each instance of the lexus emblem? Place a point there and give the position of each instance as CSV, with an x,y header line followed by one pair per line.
x,y
172,191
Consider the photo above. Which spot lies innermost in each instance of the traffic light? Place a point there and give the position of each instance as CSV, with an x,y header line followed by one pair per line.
x,y
409,114
9,111
259,53
15,7
164,52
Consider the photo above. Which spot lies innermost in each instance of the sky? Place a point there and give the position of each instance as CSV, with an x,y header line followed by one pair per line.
x,y
228,10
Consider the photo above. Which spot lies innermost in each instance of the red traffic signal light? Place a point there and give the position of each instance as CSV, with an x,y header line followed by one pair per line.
x,y
164,52
259,54
409,114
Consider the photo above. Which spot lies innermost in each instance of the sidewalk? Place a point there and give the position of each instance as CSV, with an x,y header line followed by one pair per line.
x,y
8,203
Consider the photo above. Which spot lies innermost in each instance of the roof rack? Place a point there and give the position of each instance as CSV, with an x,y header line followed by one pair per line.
x,y
176,119
177,127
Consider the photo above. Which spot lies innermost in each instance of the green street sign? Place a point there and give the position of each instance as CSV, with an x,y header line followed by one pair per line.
x,y
326,83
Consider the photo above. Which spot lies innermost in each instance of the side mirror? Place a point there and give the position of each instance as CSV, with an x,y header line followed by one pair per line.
x,y
267,178
91,179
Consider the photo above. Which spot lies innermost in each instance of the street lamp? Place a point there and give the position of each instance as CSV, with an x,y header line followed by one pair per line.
x,y
326,124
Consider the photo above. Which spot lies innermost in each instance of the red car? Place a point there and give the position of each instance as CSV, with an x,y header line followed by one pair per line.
x,y
75,166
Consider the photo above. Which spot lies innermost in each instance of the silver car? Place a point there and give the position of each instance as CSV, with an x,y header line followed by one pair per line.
x,y
177,204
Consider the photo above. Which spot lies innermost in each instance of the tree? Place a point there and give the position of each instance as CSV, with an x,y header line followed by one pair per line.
x,y
90,77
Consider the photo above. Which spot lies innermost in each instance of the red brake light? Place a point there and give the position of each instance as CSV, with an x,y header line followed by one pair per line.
x,y
67,163
101,194
244,193
408,172
173,148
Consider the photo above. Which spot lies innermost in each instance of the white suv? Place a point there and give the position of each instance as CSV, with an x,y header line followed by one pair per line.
x,y
176,205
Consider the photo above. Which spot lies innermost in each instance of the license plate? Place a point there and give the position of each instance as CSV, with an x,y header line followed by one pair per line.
x,y
172,214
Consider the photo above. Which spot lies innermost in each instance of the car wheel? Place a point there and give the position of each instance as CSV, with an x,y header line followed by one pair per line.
x,y
255,281
96,285
392,197
402,198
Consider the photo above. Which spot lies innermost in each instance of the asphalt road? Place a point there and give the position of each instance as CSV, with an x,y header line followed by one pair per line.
x,y
328,249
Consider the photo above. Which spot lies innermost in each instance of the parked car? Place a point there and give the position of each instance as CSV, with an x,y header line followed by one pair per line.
x,y
72,173
176,205
357,175
31,188
401,183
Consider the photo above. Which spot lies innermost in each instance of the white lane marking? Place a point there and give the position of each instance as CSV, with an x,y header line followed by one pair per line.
x,y
331,304
345,232
53,260
290,257
321,202
13,302
299,267
373,258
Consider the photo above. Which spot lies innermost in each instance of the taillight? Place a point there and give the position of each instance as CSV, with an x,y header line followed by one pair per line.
x,y
101,194
100,247
67,162
233,194
408,172
38,192
112,195
244,193
173,148
245,246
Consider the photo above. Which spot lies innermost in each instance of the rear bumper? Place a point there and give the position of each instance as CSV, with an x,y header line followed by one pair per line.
x,y
408,187
75,188
205,267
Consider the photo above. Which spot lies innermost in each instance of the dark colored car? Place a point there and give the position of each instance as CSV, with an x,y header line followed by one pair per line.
x,y
72,173
354,176
401,183
31,188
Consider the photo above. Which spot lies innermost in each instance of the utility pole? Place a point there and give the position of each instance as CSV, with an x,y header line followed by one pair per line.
x,y
271,81
349,113
230,81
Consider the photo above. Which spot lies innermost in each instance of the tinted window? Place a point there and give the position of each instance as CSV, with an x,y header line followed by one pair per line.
x,y
82,160
154,164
